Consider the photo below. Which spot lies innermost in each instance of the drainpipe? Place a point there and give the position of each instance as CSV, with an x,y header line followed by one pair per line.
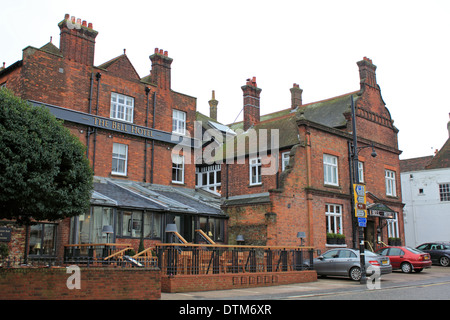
x,y
98,76
88,131
153,141
309,199
147,91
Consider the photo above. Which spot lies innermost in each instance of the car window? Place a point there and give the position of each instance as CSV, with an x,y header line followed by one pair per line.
x,y
396,252
413,250
446,247
330,254
346,254
370,253
383,251
424,247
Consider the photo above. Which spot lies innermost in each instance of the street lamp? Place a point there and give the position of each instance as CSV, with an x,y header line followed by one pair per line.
x,y
355,180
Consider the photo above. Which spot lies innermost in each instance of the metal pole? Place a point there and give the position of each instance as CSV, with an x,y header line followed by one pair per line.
x,y
362,259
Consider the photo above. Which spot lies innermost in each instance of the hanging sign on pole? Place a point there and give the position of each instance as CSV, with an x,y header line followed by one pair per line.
x,y
359,193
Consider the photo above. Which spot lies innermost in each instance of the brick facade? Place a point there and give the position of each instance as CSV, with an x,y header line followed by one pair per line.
x,y
295,200
65,78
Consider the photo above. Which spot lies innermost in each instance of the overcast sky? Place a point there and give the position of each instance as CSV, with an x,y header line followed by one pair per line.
x,y
217,45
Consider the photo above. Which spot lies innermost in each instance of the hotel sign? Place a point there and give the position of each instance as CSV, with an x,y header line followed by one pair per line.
x,y
115,125
5,234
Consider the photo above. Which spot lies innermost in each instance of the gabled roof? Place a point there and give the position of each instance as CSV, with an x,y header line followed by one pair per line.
x,y
442,158
109,65
51,48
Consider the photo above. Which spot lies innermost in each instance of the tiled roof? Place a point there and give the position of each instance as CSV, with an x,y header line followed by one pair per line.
x,y
442,158
415,164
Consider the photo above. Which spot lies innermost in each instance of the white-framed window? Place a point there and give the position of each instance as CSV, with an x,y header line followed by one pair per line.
x,y
255,171
444,191
392,225
284,160
390,183
333,216
122,107
330,170
361,171
179,122
177,168
209,177
119,159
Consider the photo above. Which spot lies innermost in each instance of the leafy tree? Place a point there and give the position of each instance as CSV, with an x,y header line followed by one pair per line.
x,y
44,173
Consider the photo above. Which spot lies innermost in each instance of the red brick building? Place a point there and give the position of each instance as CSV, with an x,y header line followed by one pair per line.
x,y
130,126
311,191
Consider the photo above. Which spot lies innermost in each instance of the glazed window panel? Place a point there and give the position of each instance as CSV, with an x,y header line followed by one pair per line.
x,y
179,122
333,216
122,107
255,171
390,183
42,239
119,159
444,191
284,160
177,168
330,170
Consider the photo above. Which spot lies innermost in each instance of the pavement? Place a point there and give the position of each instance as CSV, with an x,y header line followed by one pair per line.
x,y
320,287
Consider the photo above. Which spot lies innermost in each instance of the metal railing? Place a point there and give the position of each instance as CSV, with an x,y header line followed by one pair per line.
x,y
82,261
194,259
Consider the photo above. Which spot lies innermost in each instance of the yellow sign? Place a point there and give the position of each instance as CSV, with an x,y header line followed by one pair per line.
x,y
359,194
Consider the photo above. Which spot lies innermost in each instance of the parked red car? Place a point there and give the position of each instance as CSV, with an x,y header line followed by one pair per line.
x,y
407,259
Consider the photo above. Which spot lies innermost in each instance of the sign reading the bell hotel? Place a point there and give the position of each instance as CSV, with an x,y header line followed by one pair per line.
x,y
113,125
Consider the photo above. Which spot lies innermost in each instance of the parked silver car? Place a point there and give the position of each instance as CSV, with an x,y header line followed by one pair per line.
x,y
346,262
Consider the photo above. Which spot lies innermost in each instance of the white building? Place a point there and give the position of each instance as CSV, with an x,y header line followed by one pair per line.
x,y
426,193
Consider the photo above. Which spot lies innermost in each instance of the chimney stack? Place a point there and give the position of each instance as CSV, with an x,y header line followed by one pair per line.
x,y
160,73
296,96
77,40
213,106
251,103
367,73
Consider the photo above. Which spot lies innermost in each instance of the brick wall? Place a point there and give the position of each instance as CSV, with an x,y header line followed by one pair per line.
x,y
96,283
234,281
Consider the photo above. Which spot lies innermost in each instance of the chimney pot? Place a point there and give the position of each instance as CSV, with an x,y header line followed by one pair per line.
x,y
90,25
156,50
166,53
73,19
161,51
84,23
66,16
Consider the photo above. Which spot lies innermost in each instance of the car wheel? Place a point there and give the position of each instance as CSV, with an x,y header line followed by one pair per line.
x,y
355,273
444,261
406,267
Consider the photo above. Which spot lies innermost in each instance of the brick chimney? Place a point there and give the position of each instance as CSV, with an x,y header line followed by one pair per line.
x,y
77,40
213,106
251,103
160,73
296,96
367,73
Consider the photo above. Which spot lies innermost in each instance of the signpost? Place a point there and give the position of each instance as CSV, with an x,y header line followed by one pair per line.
x,y
359,194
